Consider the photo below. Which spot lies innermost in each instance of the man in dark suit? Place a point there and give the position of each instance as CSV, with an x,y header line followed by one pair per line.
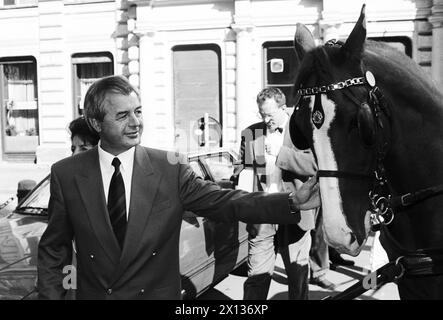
x,y
263,150
122,204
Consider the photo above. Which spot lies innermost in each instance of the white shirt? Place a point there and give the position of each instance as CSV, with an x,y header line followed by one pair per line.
x,y
274,141
107,169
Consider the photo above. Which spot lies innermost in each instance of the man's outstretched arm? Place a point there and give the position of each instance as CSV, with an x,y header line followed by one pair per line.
x,y
208,199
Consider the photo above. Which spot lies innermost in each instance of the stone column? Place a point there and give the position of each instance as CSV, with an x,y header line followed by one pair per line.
x,y
245,102
133,48
55,104
146,62
437,42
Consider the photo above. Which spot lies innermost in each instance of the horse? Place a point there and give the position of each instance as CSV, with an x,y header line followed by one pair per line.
x,y
374,121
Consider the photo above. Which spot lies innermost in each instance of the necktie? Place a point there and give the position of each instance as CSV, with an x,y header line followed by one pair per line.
x,y
117,203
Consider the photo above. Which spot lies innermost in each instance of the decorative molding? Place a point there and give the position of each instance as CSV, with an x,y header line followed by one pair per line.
x,y
239,28
437,14
423,8
145,30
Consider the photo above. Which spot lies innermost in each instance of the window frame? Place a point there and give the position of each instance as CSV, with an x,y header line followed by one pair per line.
x,y
24,149
82,58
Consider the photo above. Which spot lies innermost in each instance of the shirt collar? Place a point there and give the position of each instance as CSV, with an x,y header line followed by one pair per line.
x,y
283,124
126,158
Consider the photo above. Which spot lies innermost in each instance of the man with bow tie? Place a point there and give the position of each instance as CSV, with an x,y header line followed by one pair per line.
x,y
261,145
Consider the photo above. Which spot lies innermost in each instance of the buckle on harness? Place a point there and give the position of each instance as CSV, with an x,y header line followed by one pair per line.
x,y
398,263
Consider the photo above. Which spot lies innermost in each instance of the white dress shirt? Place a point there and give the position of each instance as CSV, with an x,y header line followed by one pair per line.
x,y
273,142
107,169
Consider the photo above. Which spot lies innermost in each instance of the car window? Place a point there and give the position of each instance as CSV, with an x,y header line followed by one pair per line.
x,y
220,165
37,200
197,169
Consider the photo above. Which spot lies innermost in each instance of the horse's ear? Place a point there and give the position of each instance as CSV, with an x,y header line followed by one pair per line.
x,y
303,40
353,47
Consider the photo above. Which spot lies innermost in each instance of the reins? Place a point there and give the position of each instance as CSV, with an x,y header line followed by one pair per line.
x,y
390,272
419,263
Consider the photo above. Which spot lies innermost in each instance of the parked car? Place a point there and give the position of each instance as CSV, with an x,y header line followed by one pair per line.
x,y
209,250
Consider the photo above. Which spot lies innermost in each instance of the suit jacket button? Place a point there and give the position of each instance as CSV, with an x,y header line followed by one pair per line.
x,y
109,291
91,256
154,253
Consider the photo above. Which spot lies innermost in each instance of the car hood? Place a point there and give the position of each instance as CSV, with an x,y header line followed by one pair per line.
x,y
19,237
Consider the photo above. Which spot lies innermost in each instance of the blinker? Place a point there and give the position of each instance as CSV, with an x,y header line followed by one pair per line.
x,y
318,114
297,100
366,125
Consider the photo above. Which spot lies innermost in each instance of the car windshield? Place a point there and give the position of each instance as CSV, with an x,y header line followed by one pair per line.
x,y
36,203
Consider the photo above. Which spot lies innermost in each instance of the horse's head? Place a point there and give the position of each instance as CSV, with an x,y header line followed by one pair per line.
x,y
335,119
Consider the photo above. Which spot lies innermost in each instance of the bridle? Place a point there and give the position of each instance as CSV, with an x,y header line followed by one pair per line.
x,y
420,262
381,199
380,196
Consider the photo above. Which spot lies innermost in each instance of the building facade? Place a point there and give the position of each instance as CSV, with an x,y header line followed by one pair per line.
x,y
198,63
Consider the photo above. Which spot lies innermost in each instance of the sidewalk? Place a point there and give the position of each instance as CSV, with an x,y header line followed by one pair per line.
x,y
342,277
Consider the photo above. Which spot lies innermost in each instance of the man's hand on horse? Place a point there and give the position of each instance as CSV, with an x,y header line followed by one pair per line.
x,y
308,195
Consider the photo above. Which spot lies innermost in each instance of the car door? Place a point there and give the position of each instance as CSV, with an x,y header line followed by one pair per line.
x,y
210,250
229,239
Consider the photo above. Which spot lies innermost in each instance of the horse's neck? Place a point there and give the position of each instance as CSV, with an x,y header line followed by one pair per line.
x,y
414,162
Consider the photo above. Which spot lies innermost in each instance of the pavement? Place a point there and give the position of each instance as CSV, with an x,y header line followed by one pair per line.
x,y
342,277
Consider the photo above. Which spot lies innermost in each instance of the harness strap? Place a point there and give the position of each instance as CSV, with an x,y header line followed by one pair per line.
x,y
387,273
412,198
424,263
419,263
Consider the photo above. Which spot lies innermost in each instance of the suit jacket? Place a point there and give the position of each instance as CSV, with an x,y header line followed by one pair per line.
x,y
163,187
296,166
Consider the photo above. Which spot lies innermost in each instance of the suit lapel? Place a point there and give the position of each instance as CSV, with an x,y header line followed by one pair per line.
x,y
144,187
90,186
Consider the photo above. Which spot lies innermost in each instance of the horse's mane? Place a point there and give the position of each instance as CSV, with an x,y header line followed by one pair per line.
x,y
403,75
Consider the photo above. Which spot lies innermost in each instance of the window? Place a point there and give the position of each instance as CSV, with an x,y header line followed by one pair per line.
x,y
88,67
279,66
197,169
19,114
197,96
220,165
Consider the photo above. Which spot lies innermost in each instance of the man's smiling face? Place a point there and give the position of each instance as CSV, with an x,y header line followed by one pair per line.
x,y
122,126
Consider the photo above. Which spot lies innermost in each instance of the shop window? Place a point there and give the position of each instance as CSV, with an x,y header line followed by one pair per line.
x,y
19,114
87,68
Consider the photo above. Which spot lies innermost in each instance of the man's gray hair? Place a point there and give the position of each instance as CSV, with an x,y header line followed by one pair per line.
x,y
96,95
271,92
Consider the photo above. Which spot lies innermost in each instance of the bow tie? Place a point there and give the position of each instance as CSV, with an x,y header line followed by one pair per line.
x,y
279,130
